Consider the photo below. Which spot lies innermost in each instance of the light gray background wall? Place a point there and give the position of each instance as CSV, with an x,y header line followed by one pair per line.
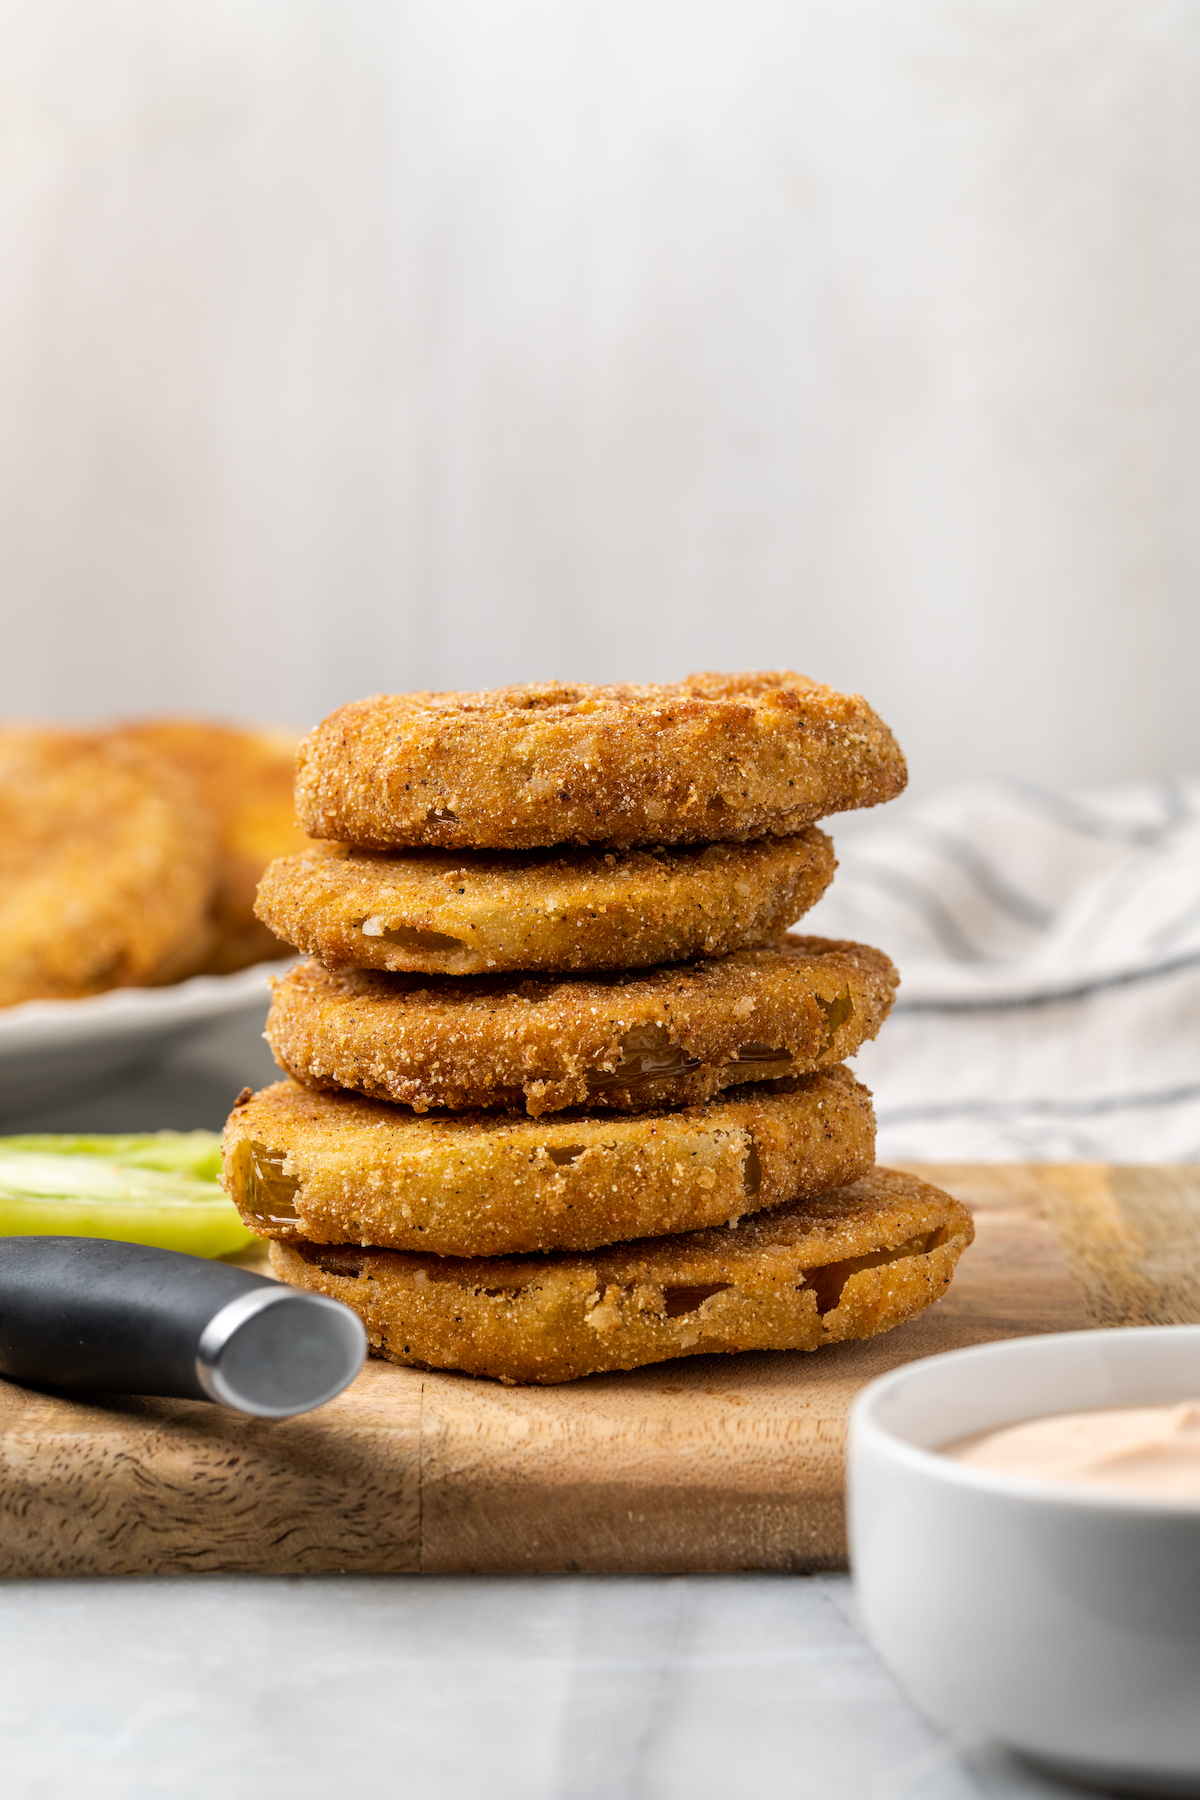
x,y
351,344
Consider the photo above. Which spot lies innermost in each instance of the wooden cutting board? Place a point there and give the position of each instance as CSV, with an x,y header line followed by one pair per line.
x,y
711,1463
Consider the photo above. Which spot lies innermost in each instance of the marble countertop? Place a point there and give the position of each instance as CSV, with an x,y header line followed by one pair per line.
x,y
436,1688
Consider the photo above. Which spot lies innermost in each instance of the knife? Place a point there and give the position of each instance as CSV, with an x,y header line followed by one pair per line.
x,y
90,1313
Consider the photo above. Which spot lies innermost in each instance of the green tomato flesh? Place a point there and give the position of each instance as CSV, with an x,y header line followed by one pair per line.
x,y
155,1188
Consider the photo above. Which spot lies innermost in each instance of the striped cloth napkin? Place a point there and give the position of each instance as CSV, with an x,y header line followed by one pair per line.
x,y
1049,949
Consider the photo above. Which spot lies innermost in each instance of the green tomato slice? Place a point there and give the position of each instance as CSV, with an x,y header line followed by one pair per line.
x,y
153,1188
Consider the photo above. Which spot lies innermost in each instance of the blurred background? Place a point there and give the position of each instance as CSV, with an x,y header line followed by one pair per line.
x,y
362,344
354,345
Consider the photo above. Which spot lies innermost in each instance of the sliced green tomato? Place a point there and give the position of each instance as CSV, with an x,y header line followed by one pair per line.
x,y
158,1188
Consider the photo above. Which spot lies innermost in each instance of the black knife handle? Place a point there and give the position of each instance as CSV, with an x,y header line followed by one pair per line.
x,y
127,1319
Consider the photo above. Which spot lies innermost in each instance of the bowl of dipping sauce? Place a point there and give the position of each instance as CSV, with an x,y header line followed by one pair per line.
x,y
1025,1542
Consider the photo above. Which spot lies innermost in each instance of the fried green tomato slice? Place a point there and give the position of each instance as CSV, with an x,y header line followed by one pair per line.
x,y
107,862
243,776
630,1042
847,1264
713,757
438,913
342,1170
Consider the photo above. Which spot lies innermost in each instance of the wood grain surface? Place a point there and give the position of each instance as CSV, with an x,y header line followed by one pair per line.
x,y
710,1463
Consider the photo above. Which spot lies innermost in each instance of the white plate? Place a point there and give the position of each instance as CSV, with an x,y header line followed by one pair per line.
x,y
56,1044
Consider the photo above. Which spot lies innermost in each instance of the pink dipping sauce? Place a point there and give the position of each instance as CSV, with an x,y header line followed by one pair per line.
x,y
1150,1451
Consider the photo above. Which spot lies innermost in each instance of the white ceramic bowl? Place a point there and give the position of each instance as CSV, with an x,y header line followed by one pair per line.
x,y
1064,1623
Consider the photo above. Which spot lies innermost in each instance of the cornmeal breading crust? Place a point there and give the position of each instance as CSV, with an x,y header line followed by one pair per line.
x,y
713,757
439,912
631,1042
107,861
344,1170
848,1264
244,778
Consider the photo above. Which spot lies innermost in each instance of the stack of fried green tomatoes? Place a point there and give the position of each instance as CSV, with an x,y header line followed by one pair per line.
x,y
565,1095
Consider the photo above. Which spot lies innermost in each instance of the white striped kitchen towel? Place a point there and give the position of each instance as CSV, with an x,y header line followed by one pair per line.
x,y
1049,951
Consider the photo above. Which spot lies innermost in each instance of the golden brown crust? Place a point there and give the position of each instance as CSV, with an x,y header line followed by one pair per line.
x,y
243,777
631,1042
106,866
850,1264
343,1170
437,912
712,757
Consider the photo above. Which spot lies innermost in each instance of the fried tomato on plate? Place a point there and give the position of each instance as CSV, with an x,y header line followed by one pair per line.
x,y
107,862
243,778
